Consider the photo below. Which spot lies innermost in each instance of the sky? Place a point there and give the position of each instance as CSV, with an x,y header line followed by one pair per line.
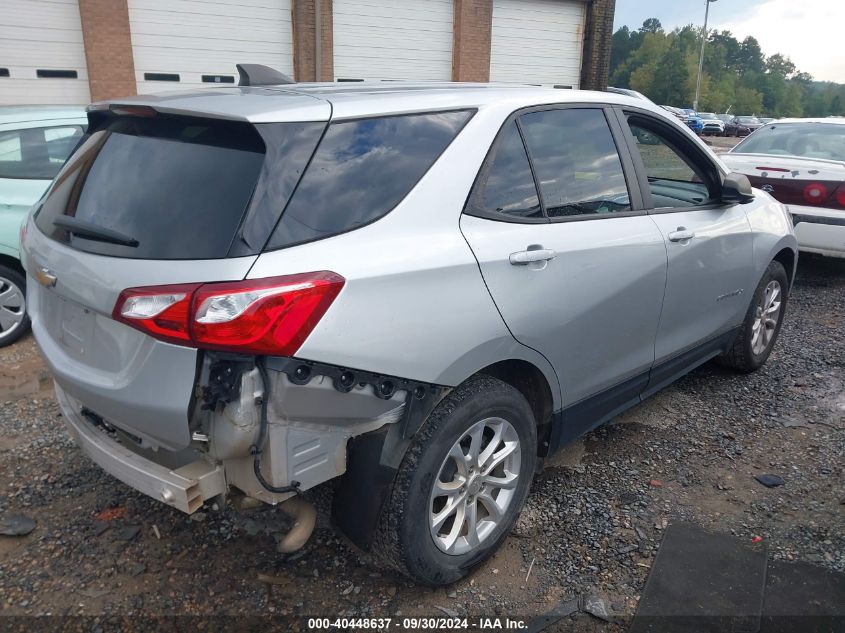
x,y
809,32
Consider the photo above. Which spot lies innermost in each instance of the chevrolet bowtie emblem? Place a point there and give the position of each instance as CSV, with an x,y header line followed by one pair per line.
x,y
45,277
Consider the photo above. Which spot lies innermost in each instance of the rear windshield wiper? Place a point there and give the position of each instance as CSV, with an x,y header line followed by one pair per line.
x,y
91,231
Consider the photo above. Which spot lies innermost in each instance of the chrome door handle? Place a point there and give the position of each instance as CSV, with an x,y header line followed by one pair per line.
x,y
526,257
681,235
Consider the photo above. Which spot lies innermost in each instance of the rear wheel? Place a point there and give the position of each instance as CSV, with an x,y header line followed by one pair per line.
x,y
762,324
461,485
14,322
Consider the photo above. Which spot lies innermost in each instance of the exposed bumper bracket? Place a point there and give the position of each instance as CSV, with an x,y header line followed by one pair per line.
x,y
185,488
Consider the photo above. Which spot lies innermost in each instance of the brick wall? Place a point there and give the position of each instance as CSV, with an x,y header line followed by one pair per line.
x,y
471,43
304,41
108,48
111,70
598,39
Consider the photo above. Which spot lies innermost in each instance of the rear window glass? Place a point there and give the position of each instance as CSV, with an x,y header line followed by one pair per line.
x,y
361,170
810,140
178,187
37,153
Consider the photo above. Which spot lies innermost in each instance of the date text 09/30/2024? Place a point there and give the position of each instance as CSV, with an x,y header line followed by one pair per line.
x,y
414,624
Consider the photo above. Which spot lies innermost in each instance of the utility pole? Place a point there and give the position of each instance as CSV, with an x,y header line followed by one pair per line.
x,y
701,57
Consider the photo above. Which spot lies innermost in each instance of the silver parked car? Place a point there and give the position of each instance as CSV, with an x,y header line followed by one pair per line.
x,y
419,289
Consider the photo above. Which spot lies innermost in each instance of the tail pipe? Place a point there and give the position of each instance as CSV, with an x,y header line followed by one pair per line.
x,y
304,515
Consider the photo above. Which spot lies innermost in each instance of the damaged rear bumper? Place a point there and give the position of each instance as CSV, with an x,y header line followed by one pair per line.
x,y
185,488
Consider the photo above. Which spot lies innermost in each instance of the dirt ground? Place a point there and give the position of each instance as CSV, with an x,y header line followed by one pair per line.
x,y
592,524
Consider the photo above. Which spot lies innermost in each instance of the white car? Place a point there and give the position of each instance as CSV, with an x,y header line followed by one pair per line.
x,y
801,162
712,124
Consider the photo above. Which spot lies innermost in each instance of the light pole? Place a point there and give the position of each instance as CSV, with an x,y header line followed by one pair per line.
x,y
701,57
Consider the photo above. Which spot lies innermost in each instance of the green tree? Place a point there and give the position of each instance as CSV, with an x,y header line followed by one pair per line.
x,y
737,75
652,25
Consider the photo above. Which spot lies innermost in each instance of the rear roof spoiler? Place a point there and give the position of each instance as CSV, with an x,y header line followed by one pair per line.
x,y
259,75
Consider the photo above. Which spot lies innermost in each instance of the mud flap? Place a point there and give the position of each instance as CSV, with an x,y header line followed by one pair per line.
x,y
373,459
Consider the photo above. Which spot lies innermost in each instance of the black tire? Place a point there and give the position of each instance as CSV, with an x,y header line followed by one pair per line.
x,y
404,540
741,356
10,277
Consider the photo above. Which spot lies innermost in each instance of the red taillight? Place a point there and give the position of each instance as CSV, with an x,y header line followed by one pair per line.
x,y
160,311
262,316
840,196
257,316
815,193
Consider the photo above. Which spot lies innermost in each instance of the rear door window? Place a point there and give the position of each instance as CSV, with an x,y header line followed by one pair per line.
x,y
37,153
179,187
361,170
576,162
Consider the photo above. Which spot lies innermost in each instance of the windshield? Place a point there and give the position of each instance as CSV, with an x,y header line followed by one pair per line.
x,y
707,115
747,119
811,140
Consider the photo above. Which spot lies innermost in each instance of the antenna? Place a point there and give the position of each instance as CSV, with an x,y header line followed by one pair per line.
x,y
259,75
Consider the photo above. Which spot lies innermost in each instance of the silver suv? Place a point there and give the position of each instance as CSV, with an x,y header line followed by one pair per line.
x,y
421,290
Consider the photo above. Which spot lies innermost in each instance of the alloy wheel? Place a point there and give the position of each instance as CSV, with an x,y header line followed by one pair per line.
x,y
12,308
766,319
475,485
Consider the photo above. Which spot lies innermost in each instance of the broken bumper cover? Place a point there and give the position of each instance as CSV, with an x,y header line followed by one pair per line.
x,y
185,488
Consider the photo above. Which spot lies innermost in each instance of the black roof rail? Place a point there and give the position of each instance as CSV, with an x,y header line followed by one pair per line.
x,y
259,75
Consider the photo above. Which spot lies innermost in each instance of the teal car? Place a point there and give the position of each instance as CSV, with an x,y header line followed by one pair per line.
x,y
34,144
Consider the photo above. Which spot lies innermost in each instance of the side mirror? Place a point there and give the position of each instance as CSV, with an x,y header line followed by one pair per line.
x,y
736,189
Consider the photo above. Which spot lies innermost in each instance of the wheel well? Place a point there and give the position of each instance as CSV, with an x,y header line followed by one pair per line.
x,y
530,382
12,263
787,258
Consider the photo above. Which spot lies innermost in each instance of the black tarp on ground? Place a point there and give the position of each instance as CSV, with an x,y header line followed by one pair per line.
x,y
702,583
715,583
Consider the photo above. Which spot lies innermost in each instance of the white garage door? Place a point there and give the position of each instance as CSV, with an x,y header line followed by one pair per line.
x,y
42,57
385,39
537,41
181,44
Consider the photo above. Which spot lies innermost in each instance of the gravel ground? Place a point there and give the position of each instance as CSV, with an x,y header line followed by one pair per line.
x,y
592,523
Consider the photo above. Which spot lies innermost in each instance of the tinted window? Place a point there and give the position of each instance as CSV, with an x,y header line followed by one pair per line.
x,y
361,170
812,140
505,185
576,162
177,186
289,147
36,153
671,178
